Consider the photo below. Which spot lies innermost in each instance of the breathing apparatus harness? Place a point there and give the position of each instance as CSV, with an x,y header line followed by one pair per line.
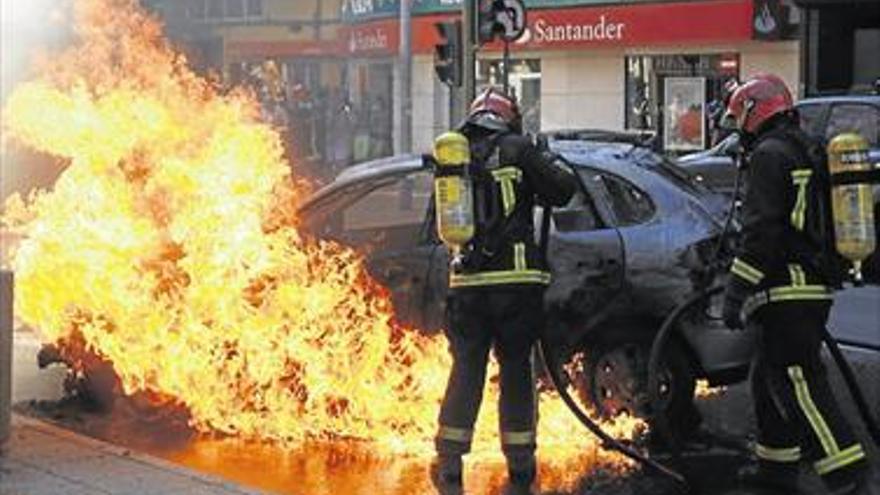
x,y
846,188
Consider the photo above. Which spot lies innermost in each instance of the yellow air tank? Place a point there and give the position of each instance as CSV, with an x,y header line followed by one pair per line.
x,y
453,191
851,203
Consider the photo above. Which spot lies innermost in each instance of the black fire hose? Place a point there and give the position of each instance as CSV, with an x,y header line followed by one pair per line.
x,y
553,370
849,377
659,345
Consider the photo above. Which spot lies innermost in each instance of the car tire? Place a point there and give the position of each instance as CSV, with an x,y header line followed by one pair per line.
x,y
613,379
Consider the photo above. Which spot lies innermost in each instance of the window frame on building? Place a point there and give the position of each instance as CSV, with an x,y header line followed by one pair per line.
x,y
212,11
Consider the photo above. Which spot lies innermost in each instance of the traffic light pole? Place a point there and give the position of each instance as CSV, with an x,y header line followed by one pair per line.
x,y
405,76
469,50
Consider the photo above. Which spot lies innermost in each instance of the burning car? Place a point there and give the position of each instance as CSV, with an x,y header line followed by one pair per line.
x,y
638,237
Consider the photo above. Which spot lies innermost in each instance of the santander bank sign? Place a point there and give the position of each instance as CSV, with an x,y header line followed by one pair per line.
x,y
639,24
542,31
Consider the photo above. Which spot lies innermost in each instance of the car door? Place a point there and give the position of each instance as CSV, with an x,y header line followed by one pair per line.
x,y
660,226
585,253
388,223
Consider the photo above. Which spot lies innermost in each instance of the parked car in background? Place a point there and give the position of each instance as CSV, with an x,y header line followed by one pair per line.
x,y
637,238
823,119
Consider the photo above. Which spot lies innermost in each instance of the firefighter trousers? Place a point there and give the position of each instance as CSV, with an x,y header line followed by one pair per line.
x,y
799,419
506,320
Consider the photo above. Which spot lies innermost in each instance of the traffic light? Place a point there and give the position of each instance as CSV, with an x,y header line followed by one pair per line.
x,y
448,53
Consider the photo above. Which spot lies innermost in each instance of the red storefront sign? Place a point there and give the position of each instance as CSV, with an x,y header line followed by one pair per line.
x,y
636,25
709,21
375,38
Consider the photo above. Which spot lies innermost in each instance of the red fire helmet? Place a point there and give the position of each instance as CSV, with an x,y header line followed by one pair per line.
x,y
757,100
494,110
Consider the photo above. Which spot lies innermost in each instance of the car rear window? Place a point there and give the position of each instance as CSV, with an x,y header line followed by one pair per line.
x,y
403,202
811,119
631,205
853,117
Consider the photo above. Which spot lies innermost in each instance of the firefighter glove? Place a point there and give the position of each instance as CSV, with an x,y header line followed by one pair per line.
x,y
731,311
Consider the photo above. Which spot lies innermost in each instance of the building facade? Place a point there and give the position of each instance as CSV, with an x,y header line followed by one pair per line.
x,y
287,51
654,65
610,64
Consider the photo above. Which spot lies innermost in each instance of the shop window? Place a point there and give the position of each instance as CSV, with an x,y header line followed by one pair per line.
x,y
373,99
691,83
195,10
525,83
234,9
861,119
631,206
254,8
215,9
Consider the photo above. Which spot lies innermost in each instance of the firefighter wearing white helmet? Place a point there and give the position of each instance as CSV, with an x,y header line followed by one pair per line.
x,y
488,179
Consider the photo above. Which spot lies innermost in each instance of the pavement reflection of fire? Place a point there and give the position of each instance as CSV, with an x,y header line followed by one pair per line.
x,y
95,406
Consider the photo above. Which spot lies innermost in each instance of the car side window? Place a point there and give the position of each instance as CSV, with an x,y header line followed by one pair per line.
x,y
390,216
853,117
811,119
580,213
631,205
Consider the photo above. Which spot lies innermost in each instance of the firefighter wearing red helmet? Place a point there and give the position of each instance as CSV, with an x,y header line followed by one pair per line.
x,y
781,283
496,288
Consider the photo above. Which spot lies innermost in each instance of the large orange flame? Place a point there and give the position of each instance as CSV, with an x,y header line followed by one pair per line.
x,y
170,246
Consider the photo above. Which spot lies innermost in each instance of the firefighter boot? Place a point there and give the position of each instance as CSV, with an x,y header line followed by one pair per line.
x,y
859,483
777,479
521,471
861,488
446,474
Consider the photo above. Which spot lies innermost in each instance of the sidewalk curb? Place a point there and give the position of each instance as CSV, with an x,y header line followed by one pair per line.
x,y
106,448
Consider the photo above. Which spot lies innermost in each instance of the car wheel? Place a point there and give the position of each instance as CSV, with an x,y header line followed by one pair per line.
x,y
613,378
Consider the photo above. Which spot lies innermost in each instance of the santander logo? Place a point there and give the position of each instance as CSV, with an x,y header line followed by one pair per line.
x,y
603,29
367,40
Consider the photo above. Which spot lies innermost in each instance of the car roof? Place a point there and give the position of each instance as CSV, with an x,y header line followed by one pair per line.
x,y
402,164
869,99
600,155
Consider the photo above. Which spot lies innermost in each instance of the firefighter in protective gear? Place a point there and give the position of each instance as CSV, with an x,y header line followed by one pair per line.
x,y
781,282
496,288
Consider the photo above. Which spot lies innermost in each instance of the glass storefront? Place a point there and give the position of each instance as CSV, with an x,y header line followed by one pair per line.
x,y
372,100
841,41
525,83
677,96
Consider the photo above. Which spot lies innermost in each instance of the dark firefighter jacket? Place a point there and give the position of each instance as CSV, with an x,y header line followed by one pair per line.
x,y
786,221
511,175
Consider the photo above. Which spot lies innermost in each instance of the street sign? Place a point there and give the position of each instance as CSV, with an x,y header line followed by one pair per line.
x,y
502,18
513,18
